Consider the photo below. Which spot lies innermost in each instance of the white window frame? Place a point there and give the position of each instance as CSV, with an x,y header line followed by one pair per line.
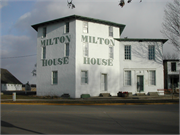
x,y
44,32
86,77
127,78
85,27
151,53
52,78
43,54
152,81
111,52
110,31
66,49
65,27
127,52
85,49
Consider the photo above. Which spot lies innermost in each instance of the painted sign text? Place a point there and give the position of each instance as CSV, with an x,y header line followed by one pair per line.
x,y
56,61
56,40
98,61
97,40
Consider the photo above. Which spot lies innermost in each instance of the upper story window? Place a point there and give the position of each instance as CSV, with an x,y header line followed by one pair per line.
x,y
151,52
173,67
85,27
66,49
66,27
110,31
111,55
85,49
43,52
127,52
44,32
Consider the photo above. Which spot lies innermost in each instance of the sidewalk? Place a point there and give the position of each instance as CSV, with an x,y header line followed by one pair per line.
x,y
166,99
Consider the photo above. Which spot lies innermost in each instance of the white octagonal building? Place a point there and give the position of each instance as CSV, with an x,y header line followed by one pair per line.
x,y
80,55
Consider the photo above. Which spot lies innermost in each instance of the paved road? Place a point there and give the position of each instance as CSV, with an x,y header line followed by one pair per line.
x,y
117,119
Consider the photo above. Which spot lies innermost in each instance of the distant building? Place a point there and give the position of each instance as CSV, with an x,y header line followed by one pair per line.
x,y
81,55
9,82
171,74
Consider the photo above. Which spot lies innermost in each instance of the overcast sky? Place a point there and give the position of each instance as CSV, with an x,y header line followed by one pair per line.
x,y
18,38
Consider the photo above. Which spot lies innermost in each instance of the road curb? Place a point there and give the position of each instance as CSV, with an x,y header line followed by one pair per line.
x,y
89,103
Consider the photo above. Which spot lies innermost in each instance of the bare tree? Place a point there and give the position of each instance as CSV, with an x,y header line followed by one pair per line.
x,y
169,56
171,24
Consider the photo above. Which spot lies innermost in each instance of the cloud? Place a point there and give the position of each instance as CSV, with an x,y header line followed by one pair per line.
x,y
142,20
3,3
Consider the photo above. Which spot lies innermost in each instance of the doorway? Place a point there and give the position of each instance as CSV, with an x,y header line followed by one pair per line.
x,y
140,83
103,82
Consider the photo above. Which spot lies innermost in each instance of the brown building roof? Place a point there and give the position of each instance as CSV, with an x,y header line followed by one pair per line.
x,y
7,77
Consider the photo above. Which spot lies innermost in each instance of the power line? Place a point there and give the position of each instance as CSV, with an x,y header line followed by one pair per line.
x,y
19,56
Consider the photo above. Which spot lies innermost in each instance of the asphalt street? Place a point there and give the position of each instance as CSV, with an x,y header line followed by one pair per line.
x,y
91,119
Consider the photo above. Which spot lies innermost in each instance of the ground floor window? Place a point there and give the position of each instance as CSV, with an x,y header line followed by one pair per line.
x,y
54,77
152,77
127,78
84,77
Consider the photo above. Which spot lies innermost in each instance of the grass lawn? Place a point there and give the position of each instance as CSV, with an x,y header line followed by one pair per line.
x,y
29,97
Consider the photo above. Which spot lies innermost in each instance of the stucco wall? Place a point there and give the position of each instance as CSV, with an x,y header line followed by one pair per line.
x,y
96,50
66,72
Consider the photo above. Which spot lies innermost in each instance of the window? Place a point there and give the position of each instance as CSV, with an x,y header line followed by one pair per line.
x,y
127,78
173,67
110,31
43,52
84,77
152,77
54,77
85,49
66,27
111,52
66,49
127,52
151,52
44,32
85,27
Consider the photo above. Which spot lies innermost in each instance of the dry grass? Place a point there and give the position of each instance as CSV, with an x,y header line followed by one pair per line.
x,y
29,97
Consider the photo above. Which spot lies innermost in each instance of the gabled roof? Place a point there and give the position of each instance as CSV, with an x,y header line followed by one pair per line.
x,y
74,17
141,40
7,77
